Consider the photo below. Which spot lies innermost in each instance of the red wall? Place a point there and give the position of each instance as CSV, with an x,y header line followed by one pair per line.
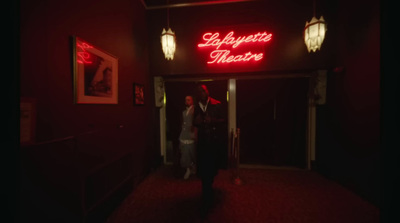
x,y
46,61
348,126
119,28
358,105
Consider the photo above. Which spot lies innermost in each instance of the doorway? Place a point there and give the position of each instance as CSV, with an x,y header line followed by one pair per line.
x,y
175,92
273,113
272,118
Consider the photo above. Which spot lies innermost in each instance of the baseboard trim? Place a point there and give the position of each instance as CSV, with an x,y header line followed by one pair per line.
x,y
259,166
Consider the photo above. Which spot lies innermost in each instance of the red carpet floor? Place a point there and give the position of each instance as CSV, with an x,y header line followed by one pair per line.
x,y
267,195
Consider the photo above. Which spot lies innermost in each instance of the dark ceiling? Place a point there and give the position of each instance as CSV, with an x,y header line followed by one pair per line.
x,y
157,4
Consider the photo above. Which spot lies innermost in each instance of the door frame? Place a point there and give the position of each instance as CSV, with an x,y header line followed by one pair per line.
x,y
231,103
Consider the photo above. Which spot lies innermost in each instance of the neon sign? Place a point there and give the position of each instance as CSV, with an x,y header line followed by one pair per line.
x,y
224,55
83,56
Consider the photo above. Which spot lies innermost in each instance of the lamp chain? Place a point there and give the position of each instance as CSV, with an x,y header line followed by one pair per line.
x,y
314,7
167,14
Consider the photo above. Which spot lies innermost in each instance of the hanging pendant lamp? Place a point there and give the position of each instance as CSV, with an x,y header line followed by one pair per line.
x,y
168,41
314,33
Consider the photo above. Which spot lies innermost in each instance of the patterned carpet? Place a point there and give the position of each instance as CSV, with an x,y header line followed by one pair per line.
x,y
267,195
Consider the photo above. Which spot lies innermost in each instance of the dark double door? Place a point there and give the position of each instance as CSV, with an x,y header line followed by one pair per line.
x,y
271,115
272,118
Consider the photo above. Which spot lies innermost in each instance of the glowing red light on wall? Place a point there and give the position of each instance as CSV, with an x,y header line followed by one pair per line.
x,y
83,56
224,55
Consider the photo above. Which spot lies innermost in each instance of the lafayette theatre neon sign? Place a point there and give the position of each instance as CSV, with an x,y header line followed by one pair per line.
x,y
222,46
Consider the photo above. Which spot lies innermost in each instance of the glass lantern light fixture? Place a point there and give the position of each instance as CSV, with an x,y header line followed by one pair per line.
x,y
168,43
314,33
168,40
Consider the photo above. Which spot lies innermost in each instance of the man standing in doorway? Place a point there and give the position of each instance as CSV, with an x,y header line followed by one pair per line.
x,y
209,120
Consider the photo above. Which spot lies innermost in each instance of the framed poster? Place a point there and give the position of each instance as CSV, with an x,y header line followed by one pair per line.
x,y
95,74
138,94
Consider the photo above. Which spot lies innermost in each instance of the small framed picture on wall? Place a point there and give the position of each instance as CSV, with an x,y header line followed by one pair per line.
x,y
138,94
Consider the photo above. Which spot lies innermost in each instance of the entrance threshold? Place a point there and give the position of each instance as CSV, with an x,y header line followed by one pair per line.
x,y
259,166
